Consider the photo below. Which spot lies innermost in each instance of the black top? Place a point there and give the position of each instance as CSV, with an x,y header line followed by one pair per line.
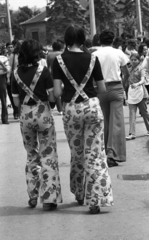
x,y
44,83
77,64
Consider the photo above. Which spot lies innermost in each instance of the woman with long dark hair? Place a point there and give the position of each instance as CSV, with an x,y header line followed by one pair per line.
x,y
32,88
83,121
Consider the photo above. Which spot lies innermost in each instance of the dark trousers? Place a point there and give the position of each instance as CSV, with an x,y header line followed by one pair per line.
x,y
15,109
3,94
59,104
147,87
114,128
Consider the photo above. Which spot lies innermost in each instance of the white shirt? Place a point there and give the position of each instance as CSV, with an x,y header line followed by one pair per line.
x,y
145,65
5,61
43,62
111,59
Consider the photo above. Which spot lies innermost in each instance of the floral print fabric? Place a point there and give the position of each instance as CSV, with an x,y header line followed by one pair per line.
x,y
39,138
89,177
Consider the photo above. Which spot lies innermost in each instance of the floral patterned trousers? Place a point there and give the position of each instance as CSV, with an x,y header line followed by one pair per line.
x,y
89,177
39,138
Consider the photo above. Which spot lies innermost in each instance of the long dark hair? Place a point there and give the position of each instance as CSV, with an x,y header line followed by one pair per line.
x,y
29,53
74,34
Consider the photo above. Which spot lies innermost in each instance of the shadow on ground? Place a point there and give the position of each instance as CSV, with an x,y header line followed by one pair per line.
x,y
68,209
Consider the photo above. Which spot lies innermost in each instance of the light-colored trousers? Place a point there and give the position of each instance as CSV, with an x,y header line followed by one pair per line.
x,y
89,176
132,115
39,138
114,128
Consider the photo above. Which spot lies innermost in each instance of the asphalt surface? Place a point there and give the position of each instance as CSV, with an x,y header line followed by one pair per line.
x,y
127,220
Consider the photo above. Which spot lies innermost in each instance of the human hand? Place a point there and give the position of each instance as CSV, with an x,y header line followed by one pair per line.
x,y
135,85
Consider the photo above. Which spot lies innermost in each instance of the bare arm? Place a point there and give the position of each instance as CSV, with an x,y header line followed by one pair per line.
x,y
51,96
125,72
142,81
101,86
58,88
5,66
16,101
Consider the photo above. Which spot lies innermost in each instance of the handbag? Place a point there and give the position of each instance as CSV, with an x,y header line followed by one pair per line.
x,y
135,95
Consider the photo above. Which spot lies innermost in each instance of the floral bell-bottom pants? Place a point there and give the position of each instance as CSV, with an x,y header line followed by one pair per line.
x,y
39,138
89,176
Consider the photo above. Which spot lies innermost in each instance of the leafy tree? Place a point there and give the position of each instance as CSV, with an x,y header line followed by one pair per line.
x,y
145,14
105,14
35,11
22,15
61,13
129,24
130,8
130,15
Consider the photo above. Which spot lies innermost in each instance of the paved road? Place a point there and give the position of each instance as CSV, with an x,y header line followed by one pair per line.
x,y
128,219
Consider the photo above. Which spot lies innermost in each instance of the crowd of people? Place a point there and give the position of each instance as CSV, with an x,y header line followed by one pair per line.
x,y
86,80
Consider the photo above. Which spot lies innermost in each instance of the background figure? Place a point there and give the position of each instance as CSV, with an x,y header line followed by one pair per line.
x,y
4,70
117,43
83,121
95,43
57,47
42,60
131,47
112,62
13,61
37,126
143,52
137,95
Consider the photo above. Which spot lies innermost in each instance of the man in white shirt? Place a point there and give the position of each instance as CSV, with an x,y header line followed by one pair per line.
x,y
4,69
113,61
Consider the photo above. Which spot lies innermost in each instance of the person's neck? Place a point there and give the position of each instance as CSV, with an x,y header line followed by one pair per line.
x,y
103,45
74,48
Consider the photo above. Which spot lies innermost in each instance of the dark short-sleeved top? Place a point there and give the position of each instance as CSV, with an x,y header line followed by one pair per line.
x,y
77,64
44,84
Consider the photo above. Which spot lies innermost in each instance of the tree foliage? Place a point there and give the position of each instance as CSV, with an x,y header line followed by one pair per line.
x,y
17,17
145,14
105,13
62,13
129,13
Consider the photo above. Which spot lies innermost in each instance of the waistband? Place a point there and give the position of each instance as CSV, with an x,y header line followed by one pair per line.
x,y
113,83
81,103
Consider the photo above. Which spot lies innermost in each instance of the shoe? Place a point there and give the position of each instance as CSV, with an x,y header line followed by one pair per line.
x,y
49,206
5,122
60,113
32,202
130,137
111,162
94,209
16,117
147,134
80,202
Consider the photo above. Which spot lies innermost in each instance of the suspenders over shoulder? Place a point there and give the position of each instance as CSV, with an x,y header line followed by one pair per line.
x,y
29,90
78,88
